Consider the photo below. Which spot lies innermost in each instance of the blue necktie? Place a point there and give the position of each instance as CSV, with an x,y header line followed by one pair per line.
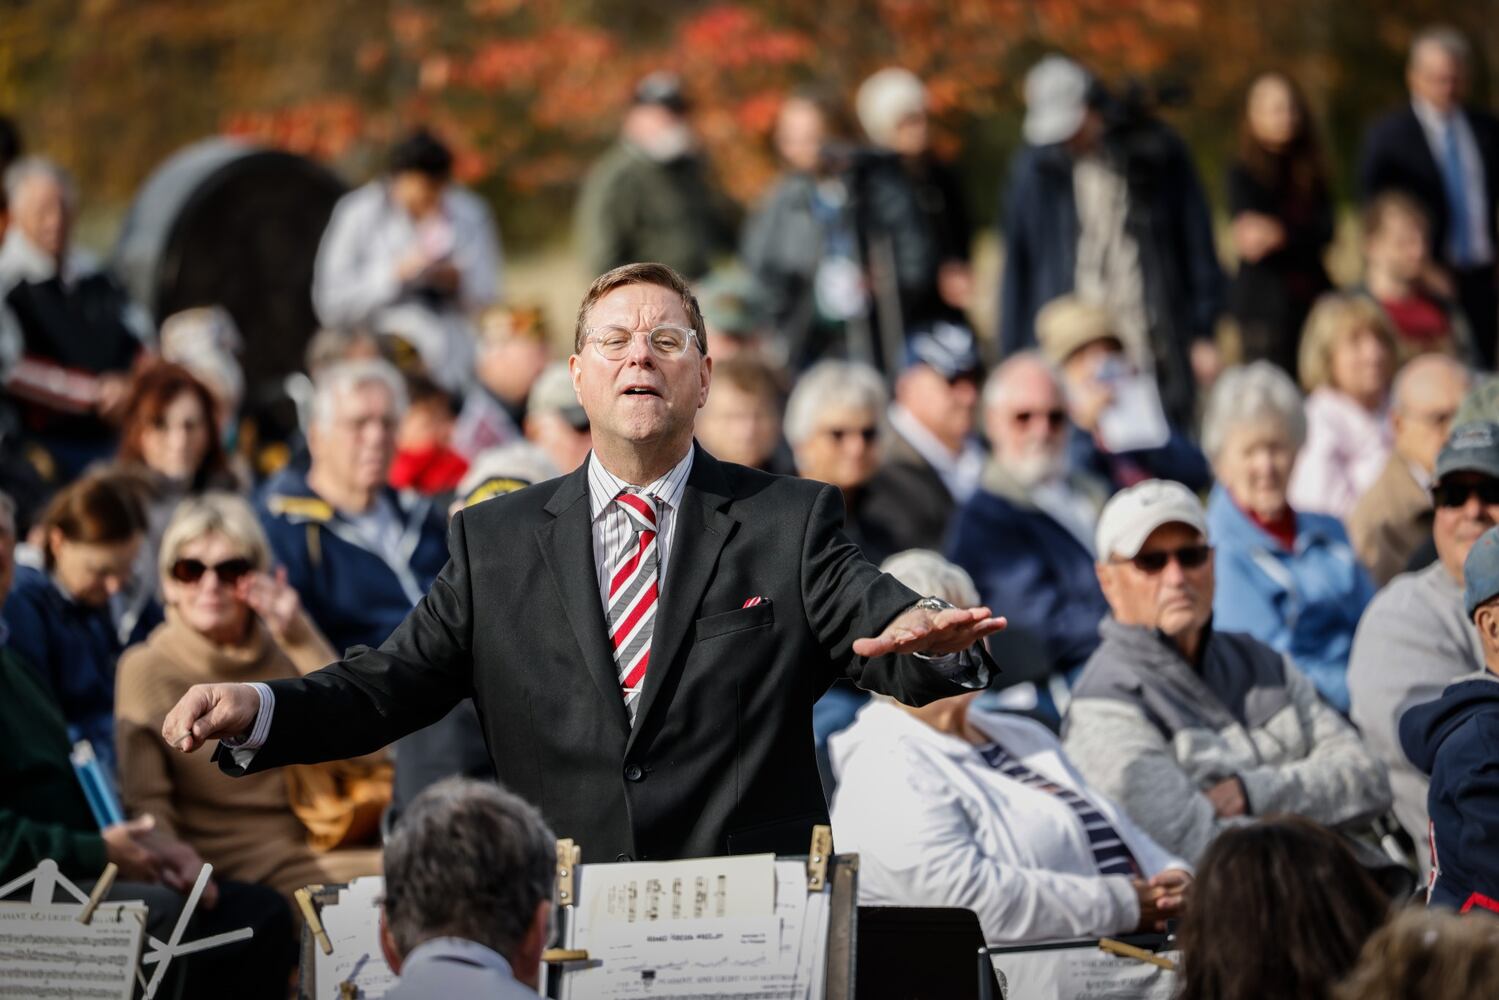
x,y
1457,199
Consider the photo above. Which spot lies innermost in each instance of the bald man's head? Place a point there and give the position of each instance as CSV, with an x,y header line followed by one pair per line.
x,y
1424,399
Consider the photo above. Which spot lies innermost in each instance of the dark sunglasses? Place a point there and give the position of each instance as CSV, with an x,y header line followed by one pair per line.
x,y
1457,494
1054,418
839,433
230,571
1187,557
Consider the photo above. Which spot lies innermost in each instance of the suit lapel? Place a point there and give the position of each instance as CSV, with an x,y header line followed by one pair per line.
x,y
698,537
567,546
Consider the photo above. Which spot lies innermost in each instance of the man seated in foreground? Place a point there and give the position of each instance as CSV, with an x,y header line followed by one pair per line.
x,y
468,894
1193,730
953,805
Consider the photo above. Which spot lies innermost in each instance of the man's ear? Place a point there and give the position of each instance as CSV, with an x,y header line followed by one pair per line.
x,y
393,957
526,962
1487,620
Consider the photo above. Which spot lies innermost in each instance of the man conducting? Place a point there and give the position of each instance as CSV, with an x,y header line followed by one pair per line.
x,y
644,638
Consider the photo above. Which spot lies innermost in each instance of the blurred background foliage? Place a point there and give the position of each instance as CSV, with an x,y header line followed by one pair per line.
x,y
529,91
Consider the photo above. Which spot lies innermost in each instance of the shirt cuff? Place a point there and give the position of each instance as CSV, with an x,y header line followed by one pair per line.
x,y
243,750
967,669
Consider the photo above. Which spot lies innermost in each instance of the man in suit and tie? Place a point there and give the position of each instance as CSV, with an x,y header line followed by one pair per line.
x,y
1446,156
644,638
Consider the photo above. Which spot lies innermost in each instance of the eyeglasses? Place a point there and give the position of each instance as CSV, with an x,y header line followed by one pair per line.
x,y
666,341
1054,418
838,434
1457,494
230,571
1187,557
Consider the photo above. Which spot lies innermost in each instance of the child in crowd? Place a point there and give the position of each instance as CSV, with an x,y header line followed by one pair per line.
x,y
425,460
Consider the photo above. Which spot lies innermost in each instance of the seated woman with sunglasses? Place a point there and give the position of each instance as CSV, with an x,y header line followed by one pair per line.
x,y
1287,577
1192,728
226,619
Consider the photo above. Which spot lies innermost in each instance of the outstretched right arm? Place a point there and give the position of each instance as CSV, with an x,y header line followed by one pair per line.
x,y
363,702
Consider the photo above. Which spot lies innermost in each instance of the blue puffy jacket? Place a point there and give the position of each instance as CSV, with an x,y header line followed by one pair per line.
x,y
1304,601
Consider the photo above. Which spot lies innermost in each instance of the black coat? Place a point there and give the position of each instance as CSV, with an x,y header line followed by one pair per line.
x,y
1396,156
1270,298
720,759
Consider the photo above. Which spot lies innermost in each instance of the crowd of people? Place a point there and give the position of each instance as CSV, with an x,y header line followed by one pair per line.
x,y
1250,580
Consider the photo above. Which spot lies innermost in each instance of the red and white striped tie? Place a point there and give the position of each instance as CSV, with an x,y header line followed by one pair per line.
x,y
632,597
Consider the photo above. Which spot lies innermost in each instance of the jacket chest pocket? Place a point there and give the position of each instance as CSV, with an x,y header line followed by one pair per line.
x,y
738,620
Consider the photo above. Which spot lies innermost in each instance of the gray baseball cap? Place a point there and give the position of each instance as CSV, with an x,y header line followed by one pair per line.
x,y
1472,447
1056,101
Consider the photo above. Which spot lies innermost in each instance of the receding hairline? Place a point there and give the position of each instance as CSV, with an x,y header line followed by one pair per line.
x,y
1424,367
1444,39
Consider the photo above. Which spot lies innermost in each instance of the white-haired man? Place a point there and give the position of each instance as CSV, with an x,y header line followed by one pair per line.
x,y
358,553
1188,728
1026,535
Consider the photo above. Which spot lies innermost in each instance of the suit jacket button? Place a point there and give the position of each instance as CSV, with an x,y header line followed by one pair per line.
x,y
623,857
634,773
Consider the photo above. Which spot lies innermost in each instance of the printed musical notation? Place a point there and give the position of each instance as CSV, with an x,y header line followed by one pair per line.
x,y
45,952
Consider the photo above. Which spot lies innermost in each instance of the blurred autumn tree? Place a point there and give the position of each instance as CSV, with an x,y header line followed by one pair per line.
x,y
529,91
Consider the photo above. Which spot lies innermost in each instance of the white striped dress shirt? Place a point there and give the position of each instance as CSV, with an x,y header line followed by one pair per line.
x,y
612,528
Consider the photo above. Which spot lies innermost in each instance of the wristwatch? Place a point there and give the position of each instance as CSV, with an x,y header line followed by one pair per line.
x,y
930,603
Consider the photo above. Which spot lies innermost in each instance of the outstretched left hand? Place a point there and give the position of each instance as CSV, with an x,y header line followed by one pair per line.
x,y
935,633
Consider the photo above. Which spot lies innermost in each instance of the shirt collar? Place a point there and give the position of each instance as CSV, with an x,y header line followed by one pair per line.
x,y
604,486
460,950
1431,119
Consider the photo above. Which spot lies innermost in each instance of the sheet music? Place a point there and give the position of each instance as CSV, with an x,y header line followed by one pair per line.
x,y
1135,420
777,953
644,892
45,952
1084,973
353,926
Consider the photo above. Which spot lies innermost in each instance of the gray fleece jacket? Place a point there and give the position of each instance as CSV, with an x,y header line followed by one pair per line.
x,y
1153,732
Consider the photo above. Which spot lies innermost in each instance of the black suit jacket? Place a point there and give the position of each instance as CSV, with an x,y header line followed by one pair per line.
x,y
1397,156
908,499
720,759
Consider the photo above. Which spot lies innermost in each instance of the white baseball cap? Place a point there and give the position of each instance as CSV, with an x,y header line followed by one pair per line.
x,y
1131,515
1056,101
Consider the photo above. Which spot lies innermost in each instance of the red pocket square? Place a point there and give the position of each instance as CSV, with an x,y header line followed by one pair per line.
x,y
757,599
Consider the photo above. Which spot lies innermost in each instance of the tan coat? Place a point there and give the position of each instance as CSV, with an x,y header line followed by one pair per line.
x,y
1390,521
244,827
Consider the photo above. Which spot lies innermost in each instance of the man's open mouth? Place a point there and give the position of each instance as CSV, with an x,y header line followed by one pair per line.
x,y
641,390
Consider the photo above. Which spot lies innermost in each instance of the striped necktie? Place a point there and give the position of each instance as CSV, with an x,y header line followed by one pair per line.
x,y
632,596
1110,853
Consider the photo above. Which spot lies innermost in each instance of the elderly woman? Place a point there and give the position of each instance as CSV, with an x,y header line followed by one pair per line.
x,y
1347,365
1285,576
834,422
950,805
68,621
227,619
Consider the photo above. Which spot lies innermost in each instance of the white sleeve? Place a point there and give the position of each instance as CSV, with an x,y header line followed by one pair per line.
x,y
349,282
243,750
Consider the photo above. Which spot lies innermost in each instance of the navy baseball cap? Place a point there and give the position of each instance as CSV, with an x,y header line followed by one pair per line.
x,y
949,348
1481,571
